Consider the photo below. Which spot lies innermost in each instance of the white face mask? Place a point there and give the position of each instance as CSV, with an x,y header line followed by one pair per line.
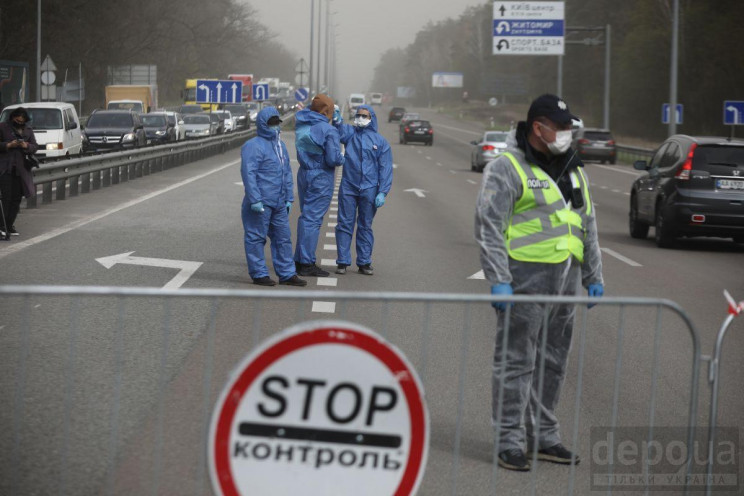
x,y
562,141
361,121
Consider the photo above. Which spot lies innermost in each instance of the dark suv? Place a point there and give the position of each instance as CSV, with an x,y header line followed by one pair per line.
x,y
694,186
113,129
595,144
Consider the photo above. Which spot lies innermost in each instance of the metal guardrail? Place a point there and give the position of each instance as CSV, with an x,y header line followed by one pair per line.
x,y
72,177
632,153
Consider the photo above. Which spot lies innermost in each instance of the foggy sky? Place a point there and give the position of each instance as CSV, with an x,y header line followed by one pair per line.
x,y
365,30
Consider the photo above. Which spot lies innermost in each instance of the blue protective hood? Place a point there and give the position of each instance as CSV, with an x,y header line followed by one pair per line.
x,y
261,122
373,124
307,116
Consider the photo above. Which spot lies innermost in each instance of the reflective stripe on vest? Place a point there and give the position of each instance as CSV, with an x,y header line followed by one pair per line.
x,y
543,228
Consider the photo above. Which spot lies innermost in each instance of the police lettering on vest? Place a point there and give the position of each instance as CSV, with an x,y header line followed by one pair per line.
x,y
533,183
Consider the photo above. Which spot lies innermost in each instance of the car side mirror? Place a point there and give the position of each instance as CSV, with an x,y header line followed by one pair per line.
x,y
640,165
72,125
474,143
180,123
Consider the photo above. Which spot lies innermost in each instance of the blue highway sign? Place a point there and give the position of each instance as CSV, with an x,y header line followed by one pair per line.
x,y
733,113
260,92
301,94
214,91
665,113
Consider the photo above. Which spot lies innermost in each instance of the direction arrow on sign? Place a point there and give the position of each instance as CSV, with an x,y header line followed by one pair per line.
x,y
417,192
733,112
186,268
216,91
322,408
261,92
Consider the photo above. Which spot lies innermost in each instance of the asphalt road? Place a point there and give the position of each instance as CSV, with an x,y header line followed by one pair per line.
x,y
113,396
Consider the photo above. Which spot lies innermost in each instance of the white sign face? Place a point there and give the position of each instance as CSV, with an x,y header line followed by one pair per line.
x,y
322,408
446,80
528,28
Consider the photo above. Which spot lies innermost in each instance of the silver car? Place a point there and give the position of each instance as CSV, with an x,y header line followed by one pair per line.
x,y
197,126
490,145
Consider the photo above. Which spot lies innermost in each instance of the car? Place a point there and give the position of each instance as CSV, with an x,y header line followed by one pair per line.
x,y
375,98
240,116
113,129
229,123
252,108
157,129
355,99
56,127
417,130
190,108
490,145
407,117
175,120
595,144
197,126
693,186
218,122
396,113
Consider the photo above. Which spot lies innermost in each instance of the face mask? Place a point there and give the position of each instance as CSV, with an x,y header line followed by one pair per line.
x,y
562,141
276,129
362,121
19,124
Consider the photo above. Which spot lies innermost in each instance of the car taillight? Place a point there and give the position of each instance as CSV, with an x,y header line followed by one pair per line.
x,y
431,131
488,148
683,174
583,141
406,130
611,142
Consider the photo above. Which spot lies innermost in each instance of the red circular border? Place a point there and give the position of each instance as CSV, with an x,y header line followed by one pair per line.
x,y
323,335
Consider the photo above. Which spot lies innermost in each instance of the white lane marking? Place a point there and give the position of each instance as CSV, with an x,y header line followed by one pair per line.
x,y
478,275
453,172
395,166
616,191
16,247
334,203
240,183
324,307
472,182
332,216
427,158
328,262
332,224
440,165
185,268
459,129
333,209
330,235
417,192
329,247
626,193
327,281
622,258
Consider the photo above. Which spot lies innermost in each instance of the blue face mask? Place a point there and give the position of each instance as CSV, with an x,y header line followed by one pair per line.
x,y
276,129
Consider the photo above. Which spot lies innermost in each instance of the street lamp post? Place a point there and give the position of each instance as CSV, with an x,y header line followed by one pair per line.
x,y
310,67
38,50
673,72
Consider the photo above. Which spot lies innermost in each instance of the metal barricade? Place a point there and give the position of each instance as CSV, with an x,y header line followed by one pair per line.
x,y
110,390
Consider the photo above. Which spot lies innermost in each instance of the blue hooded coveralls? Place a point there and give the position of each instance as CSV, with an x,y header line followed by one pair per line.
x,y
319,153
267,178
368,170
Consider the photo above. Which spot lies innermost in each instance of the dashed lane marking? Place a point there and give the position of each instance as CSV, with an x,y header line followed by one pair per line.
x,y
327,281
324,306
622,258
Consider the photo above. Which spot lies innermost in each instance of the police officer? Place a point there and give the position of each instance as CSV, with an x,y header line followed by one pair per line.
x,y
536,227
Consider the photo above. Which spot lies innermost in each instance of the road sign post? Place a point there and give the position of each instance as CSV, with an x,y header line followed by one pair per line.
x,y
324,407
219,91
528,28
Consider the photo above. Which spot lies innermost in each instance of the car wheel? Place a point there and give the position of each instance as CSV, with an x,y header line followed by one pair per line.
x,y
613,161
664,236
638,229
473,167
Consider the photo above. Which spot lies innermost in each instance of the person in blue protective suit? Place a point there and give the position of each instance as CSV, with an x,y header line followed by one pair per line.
x,y
365,183
267,180
536,227
319,153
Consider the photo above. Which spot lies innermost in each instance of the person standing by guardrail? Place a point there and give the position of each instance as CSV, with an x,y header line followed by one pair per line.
x,y
319,153
17,145
536,227
267,180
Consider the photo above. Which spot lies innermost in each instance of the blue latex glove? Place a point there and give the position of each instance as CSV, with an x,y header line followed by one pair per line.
x,y
379,200
337,119
503,288
289,206
257,207
596,291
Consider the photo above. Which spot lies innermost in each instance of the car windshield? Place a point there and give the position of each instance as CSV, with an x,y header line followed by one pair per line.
x,y
496,137
153,120
357,101
110,120
196,119
190,109
40,118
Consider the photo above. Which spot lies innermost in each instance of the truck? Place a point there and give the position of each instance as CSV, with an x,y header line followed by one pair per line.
x,y
141,98
247,80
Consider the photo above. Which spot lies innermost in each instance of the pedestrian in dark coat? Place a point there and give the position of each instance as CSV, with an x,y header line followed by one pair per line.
x,y
17,141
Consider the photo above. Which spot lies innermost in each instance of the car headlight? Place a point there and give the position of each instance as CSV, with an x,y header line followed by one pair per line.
x,y
54,146
127,137
159,133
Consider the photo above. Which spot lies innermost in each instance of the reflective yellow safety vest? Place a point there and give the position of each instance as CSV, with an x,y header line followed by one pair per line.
x,y
543,227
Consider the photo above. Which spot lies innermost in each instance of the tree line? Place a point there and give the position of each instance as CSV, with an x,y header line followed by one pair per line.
x,y
183,38
641,31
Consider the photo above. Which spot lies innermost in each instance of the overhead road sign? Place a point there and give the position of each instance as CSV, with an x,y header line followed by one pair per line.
x,y
218,91
301,94
733,113
325,407
665,113
261,92
528,28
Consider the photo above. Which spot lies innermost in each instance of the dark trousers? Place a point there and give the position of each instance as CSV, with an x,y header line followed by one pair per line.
x,y
11,192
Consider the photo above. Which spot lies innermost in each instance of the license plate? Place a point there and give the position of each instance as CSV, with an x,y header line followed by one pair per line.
x,y
729,184
418,132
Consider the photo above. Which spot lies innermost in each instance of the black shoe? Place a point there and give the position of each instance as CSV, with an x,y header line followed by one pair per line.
x,y
366,269
341,269
311,270
294,281
558,454
514,459
264,281
13,232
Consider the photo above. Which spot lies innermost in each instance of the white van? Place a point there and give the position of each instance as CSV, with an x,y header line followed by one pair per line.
x,y
375,98
56,127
